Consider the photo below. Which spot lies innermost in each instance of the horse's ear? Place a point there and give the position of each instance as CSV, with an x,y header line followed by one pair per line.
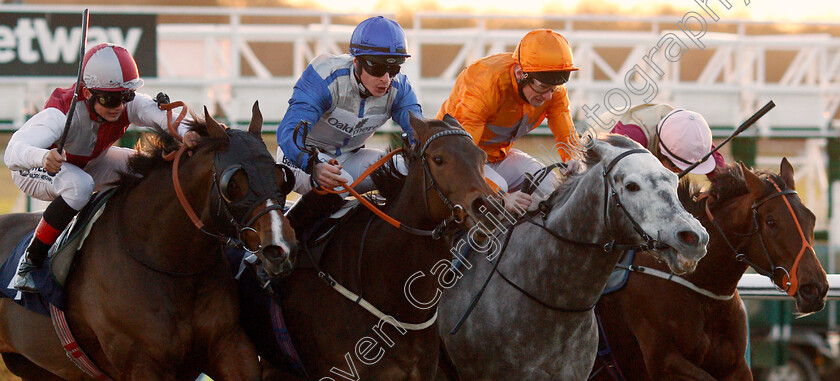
x,y
450,120
214,129
255,127
419,125
754,183
786,171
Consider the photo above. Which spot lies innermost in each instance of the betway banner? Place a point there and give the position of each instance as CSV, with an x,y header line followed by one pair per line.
x,y
47,44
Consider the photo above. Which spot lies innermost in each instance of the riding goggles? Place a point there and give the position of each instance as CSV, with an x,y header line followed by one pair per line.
x,y
379,69
112,99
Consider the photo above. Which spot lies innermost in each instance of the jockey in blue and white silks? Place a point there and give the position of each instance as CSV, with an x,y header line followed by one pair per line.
x,y
344,99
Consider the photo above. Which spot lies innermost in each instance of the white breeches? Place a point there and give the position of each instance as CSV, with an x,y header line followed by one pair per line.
x,y
509,174
352,163
74,184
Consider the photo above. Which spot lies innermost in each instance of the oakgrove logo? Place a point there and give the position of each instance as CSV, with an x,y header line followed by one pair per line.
x,y
48,44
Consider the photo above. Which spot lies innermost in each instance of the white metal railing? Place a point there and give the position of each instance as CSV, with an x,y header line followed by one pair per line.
x,y
258,53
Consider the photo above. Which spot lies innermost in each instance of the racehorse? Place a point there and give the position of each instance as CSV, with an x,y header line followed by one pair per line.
x,y
150,296
379,267
535,320
661,330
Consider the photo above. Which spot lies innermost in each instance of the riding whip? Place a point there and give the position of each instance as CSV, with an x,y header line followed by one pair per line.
x,y
747,123
78,82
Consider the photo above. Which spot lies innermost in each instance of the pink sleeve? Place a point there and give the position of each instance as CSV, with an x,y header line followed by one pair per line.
x,y
631,131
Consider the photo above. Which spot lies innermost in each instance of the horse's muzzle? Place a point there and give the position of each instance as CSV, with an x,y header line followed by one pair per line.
x,y
277,262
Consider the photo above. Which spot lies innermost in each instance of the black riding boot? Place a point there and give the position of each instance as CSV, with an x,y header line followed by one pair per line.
x,y
310,210
55,218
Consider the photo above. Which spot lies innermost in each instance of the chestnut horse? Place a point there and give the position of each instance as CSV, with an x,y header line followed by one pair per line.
x,y
389,268
664,330
535,320
150,296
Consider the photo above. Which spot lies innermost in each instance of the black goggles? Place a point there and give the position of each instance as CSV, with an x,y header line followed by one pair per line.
x,y
379,69
111,99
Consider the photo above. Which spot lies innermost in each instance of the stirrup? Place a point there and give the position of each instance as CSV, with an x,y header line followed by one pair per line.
x,y
23,278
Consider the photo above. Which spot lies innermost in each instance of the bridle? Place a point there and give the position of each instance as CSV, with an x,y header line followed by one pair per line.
x,y
609,247
790,282
457,211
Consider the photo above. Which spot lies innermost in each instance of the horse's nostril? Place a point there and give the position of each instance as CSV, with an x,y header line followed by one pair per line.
x,y
274,253
480,205
688,237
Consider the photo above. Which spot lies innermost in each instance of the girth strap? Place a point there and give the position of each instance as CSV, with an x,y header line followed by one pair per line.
x,y
72,348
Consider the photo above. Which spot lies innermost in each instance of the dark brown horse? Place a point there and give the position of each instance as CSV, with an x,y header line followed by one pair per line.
x,y
150,296
395,270
664,330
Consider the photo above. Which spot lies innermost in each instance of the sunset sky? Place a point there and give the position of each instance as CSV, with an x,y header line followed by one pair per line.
x,y
760,10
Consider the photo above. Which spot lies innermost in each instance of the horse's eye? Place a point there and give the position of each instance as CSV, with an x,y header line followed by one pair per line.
x,y
632,187
770,221
438,160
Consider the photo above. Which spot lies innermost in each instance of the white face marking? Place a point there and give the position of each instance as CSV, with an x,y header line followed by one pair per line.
x,y
277,228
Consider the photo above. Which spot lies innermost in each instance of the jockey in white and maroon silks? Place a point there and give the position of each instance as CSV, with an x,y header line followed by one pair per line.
x,y
109,104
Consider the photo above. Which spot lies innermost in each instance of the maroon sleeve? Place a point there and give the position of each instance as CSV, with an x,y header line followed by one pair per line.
x,y
719,163
631,131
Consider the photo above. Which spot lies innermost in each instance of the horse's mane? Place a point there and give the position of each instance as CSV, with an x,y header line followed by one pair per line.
x,y
728,184
151,148
387,179
591,157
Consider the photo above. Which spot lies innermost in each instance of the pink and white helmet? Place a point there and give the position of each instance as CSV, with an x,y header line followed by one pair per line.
x,y
110,67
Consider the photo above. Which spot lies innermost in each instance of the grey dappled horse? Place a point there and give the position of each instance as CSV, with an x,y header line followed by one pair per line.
x,y
561,263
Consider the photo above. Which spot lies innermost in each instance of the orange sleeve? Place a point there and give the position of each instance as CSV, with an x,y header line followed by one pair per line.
x,y
560,123
473,101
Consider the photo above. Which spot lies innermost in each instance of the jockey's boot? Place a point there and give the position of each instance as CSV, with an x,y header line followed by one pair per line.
x,y
311,209
55,218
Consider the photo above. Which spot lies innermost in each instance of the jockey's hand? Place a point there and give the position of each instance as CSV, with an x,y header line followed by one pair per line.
x,y
515,201
328,175
53,160
191,139
572,166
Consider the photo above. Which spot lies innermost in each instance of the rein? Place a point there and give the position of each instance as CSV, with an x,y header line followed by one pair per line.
x,y
435,233
791,282
609,247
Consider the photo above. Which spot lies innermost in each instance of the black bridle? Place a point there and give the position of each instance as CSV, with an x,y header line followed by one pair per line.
x,y
609,247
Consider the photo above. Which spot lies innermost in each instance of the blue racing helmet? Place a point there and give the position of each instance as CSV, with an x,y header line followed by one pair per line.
x,y
379,37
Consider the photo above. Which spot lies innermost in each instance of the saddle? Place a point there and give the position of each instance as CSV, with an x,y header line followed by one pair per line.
x,y
618,278
320,233
52,277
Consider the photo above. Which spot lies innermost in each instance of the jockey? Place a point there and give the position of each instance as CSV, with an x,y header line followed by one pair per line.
x,y
108,104
678,138
343,100
502,97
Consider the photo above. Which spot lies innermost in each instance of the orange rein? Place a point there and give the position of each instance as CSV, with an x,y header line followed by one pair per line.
x,y
175,157
350,189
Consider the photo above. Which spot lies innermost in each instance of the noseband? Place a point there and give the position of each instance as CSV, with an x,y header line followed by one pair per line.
x,y
791,282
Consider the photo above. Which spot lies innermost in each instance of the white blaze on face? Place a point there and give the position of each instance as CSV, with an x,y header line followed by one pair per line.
x,y
277,228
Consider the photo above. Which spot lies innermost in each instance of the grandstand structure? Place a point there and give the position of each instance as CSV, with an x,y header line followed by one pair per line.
x,y
226,58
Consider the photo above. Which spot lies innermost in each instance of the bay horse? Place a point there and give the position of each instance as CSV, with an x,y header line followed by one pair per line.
x,y
150,296
663,330
536,320
384,267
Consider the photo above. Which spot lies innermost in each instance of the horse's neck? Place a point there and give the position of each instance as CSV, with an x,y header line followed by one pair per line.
x,y
392,256
570,275
152,215
720,271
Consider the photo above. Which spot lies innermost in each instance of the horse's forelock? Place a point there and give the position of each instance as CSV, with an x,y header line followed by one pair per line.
x,y
729,183
153,145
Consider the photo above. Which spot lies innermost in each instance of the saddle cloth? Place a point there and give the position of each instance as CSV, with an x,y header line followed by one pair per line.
x,y
619,276
52,276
